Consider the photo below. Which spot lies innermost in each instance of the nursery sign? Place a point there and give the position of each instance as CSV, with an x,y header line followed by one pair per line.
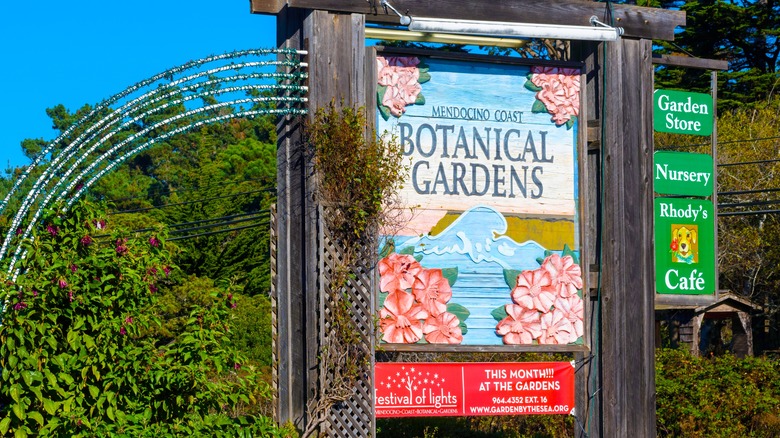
x,y
682,112
411,389
681,173
485,250
685,247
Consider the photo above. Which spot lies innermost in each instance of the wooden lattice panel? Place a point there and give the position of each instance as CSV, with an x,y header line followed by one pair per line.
x,y
353,417
274,313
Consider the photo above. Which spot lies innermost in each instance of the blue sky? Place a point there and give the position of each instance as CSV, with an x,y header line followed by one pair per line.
x,y
81,52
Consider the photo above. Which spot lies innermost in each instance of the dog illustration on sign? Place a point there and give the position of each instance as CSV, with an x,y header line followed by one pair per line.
x,y
684,246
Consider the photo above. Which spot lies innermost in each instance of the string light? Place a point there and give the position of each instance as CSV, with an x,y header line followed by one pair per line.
x,y
171,88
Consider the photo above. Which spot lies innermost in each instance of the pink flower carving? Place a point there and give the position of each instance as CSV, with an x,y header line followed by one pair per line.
x,y
400,319
534,291
397,271
566,275
400,75
556,329
432,291
572,309
560,91
521,326
443,329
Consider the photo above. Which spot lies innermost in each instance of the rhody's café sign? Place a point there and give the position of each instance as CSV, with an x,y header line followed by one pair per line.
x,y
487,249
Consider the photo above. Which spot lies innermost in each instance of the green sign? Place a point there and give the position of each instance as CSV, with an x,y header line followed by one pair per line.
x,y
684,246
681,112
682,173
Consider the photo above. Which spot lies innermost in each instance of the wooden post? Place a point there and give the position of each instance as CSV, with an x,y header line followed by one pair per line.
x,y
627,329
336,58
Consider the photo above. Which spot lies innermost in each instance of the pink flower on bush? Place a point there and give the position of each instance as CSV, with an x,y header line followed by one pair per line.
x,y
397,271
62,283
560,91
556,329
432,290
400,319
566,275
121,248
521,326
443,329
52,230
533,290
86,240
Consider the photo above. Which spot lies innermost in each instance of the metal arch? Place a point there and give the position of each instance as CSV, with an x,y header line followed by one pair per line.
x,y
278,72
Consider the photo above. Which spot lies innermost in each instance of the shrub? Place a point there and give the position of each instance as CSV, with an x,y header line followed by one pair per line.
x,y
81,350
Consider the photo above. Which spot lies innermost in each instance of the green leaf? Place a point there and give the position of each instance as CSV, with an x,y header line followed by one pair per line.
x,y
15,391
407,250
4,425
94,391
110,413
569,252
531,87
384,112
499,313
510,276
461,312
420,99
570,122
20,433
538,107
451,274
381,299
35,415
27,377
19,411
424,77
50,406
463,328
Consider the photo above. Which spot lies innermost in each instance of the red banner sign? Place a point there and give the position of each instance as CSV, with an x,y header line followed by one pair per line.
x,y
472,389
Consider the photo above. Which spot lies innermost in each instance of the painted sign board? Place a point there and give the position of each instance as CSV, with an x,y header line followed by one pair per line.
x,y
411,389
486,248
684,246
682,173
682,112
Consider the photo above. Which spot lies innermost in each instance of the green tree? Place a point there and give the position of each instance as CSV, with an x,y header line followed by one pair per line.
x,y
742,32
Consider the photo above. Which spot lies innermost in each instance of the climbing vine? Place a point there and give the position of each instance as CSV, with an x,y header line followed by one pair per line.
x,y
358,177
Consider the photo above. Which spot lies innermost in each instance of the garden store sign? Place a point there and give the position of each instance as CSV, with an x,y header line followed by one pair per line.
x,y
488,250
682,112
472,389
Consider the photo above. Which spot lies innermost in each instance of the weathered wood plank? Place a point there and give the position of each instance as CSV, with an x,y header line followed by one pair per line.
x,y
685,61
628,377
642,22
296,259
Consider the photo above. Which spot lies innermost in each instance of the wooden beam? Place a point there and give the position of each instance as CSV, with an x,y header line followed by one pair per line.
x,y
638,22
685,61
